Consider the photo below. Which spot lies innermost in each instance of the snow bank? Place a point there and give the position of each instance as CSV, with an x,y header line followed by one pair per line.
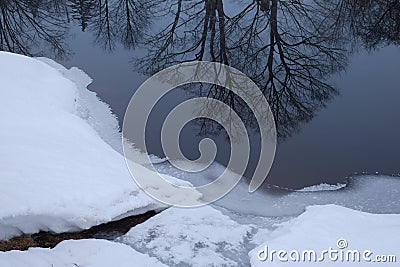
x,y
60,169
330,226
98,253
208,237
89,107
192,237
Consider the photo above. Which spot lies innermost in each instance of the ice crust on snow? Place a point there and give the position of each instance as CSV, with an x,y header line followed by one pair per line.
x,y
369,193
192,237
207,236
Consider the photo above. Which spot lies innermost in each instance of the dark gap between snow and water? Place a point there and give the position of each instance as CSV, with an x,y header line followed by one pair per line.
x,y
108,231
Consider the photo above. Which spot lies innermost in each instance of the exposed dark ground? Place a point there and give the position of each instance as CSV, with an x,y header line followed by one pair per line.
x,y
108,231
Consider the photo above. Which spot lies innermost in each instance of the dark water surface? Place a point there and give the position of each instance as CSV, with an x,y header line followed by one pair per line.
x,y
337,111
358,131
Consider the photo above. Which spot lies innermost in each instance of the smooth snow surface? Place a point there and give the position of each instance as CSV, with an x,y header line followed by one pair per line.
x,y
95,253
59,165
320,227
89,107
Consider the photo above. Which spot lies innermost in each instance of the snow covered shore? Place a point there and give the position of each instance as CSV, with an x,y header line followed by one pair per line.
x,y
207,237
61,170
360,239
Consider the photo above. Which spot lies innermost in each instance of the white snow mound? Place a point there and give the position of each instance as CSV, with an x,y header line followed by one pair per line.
x,y
332,227
60,169
98,253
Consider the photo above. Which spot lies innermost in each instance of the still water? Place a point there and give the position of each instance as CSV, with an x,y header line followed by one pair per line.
x,y
331,76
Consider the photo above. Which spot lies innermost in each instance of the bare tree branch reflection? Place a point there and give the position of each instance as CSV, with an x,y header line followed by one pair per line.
x,y
375,23
280,45
102,26
288,48
123,21
26,25
82,11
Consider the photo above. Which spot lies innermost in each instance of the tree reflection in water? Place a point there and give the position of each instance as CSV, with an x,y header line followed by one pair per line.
x,y
288,48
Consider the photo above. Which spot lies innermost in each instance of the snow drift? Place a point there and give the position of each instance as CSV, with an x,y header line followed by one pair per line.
x,y
332,227
60,169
